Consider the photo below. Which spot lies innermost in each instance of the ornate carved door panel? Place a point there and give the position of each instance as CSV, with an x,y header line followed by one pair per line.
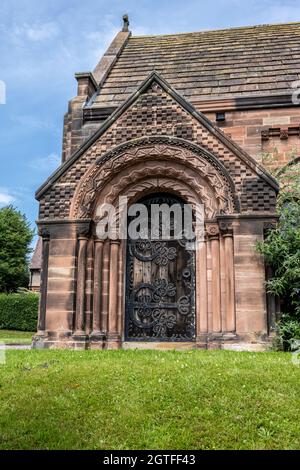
x,y
160,285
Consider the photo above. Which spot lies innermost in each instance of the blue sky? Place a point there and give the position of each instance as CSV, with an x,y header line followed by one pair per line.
x,y
43,43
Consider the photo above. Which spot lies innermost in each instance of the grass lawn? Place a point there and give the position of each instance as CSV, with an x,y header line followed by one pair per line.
x,y
149,400
15,337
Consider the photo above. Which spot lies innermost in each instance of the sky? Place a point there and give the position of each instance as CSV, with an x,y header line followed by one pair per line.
x,y
43,43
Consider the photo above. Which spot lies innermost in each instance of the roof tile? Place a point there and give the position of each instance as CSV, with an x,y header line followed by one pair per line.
x,y
235,62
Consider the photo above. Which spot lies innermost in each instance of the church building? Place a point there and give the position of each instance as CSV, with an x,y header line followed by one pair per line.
x,y
193,118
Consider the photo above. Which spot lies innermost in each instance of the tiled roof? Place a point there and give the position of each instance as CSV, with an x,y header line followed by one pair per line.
x,y
36,260
237,62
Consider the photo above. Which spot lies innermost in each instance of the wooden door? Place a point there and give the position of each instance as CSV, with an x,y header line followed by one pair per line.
x,y
160,286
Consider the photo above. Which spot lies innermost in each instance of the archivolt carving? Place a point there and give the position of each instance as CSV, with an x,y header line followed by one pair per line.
x,y
177,179
203,164
139,189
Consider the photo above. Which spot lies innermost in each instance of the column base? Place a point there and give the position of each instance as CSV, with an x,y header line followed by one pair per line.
x,y
97,340
80,340
201,341
230,336
215,341
113,341
79,335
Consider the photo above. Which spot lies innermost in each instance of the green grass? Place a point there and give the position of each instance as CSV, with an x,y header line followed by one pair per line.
x,y
15,337
149,400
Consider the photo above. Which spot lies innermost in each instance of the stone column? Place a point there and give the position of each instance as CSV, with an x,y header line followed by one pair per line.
x,y
216,287
44,284
223,283
113,337
105,287
201,294
121,289
97,334
79,333
89,287
212,230
229,283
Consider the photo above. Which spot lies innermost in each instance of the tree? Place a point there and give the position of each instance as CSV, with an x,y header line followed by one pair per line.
x,y
281,250
15,238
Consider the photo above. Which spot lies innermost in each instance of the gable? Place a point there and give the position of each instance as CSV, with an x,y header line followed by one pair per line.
x,y
155,109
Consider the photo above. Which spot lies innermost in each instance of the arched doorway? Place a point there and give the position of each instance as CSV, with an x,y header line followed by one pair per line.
x,y
160,277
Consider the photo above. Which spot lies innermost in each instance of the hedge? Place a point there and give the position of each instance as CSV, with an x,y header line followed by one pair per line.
x,y
19,311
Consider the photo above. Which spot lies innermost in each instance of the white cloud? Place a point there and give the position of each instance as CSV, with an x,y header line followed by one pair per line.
x,y
5,197
35,33
46,164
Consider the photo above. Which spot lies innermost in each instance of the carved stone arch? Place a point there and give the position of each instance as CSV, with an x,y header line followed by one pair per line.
x,y
170,150
177,180
145,187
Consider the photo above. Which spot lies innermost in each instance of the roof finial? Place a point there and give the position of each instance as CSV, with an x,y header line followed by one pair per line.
x,y
125,23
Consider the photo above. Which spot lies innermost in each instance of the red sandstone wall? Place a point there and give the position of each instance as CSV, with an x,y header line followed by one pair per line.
x,y
261,133
269,131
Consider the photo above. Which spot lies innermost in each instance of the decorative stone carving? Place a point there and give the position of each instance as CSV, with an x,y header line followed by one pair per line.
x,y
212,229
226,227
43,232
150,149
175,179
284,134
83,229
265,135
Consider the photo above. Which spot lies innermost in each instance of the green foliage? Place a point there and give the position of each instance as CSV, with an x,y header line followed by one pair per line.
x,y
15,239
281,250
16,337
288,332
19,311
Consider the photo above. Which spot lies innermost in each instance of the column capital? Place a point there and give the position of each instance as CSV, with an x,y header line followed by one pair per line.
x,y
66,228
83,230
44,233
226,228
212,230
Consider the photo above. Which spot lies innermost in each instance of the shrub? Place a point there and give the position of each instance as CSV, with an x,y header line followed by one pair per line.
x,y
19,311
281,250
288,331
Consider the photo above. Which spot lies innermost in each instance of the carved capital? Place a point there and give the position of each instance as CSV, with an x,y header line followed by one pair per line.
x,y
44,232
212,230
226,228
83,229
265,135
